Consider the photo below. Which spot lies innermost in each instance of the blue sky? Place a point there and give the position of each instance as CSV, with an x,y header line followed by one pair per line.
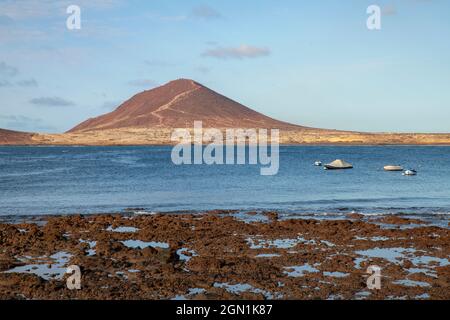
x,y
308,62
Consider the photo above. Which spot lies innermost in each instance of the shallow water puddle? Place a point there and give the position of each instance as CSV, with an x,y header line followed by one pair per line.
x,y
426,271
186,257
124,274
191,292
362,295
135,244
336,274
267,255
299,271
92,244
123,229
250,218
411,283
396,255
371,238
277,243
396,298
234,288
194,291
54,268
426,260
328,243
335,297
243,287
393,255
388,226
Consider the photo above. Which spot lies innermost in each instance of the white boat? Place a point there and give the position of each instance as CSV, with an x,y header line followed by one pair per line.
x,y
393,168
410,172
318,163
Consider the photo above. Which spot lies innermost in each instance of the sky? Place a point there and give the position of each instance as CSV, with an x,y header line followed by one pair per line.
x,y
313,63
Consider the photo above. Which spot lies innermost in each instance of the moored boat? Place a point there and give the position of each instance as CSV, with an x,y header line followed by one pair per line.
x,y
338,165
410,172
393,168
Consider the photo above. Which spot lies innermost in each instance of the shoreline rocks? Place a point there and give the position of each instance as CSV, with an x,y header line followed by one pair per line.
x,y
172,255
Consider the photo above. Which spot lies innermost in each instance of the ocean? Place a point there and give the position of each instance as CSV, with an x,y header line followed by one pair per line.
x,y
85,180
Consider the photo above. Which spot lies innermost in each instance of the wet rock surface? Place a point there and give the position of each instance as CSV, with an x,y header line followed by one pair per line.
x,y
217,255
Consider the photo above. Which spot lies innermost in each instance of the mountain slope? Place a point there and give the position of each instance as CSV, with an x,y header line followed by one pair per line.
x,y
178,104
9,137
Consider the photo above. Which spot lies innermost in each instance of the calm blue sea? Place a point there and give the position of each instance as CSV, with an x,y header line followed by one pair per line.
x,y
66,180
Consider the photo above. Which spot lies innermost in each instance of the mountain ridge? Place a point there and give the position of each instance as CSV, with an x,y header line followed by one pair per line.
x,y
178,104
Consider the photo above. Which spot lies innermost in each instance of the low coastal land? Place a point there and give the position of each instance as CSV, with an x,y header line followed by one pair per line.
x,y
162,136
223,255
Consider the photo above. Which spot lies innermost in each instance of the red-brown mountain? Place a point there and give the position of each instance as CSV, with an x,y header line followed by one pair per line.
x,y
9,137
178,104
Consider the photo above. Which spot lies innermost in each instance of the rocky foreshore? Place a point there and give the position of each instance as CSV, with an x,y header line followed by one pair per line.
x,y
223,255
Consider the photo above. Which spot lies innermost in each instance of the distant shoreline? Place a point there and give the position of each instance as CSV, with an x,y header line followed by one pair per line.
x,y
163,137
300,215
325,144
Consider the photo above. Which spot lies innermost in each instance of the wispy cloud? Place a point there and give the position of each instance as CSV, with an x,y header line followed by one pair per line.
x,y
51,102
143,83
7,70
241,52
23,123
21,83
27,83
5,83
205,12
